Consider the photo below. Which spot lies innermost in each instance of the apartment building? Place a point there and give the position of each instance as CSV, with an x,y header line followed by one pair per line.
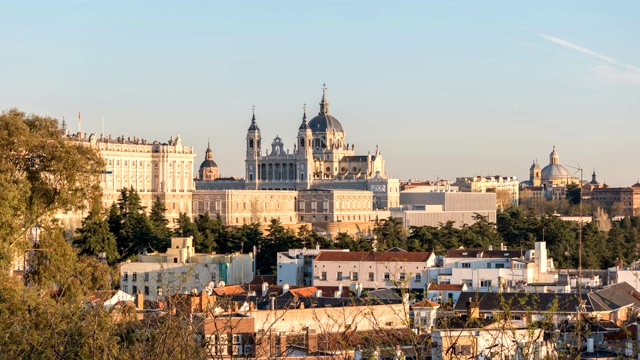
x,y
493,270
373,270
181,270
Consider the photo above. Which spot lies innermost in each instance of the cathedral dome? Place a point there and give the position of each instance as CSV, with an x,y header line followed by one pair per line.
x,y
208,169
325,123
208,164
556,172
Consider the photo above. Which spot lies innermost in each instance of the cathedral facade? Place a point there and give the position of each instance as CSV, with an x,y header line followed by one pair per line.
x,y
321,159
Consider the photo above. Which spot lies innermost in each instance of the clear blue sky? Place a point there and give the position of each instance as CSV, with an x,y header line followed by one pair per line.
x,y
444,88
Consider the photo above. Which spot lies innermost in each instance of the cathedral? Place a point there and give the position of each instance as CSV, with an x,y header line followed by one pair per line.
x,y
321,158
551,175
549,182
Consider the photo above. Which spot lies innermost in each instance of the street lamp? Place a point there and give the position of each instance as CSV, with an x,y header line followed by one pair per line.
x,y
580,304
578,168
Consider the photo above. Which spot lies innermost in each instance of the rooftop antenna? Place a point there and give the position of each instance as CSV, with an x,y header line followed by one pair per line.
x,y
103,125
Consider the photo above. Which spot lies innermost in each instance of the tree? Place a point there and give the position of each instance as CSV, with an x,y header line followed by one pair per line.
x,y
159,225
134,233
94,236
212,231
390,233
186,228
574,193
41,174
602,218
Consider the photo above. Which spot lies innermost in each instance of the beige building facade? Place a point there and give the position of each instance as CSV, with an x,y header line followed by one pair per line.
x,y
238,207
505,187
153,169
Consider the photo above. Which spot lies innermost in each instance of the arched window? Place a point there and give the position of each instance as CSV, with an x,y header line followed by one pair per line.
x,y
251,143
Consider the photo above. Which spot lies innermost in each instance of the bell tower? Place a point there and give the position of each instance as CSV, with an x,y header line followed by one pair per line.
x,y
534,174
254,140
304,154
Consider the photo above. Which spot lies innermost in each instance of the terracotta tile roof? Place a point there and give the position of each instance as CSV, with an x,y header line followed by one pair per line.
x,y
443,287
426,303
371,256
229,290
304,291
485,254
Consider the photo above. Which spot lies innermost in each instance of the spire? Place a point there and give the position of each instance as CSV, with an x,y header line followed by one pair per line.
x,y
593,178
554,157
304,125
208,155
254,124
324,104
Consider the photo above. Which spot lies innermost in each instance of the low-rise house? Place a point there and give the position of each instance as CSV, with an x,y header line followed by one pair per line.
x,y
616,303
424,315
445,293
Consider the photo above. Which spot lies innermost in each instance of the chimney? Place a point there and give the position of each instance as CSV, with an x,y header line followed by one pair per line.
x,y
312,340
204,300
140,301
301,306
285,288
490,247
319,293
272,303
473,311
265,288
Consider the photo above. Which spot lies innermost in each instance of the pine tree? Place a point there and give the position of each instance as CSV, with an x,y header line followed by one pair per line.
x,y
94,236
159,225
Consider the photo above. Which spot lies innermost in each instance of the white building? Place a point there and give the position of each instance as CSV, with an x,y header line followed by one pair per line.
x,y
295,267
424,315
181,270
373,270
490,270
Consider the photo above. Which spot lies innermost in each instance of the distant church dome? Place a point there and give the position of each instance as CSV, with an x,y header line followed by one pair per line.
x,y
323,122
556,173
208,169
